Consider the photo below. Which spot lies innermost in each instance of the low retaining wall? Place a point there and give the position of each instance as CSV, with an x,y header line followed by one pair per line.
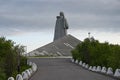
x,y
25,75
99,69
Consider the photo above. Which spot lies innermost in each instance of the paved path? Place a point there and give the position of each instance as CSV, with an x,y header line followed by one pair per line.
x,y
63,69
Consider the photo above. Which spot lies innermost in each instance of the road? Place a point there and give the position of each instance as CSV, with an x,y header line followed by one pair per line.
x,y
62,69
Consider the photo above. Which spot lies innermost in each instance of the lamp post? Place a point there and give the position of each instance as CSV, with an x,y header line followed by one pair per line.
x,y
89,35
20,51
18,65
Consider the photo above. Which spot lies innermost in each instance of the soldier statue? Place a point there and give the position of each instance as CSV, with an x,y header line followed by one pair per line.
x,y
60,27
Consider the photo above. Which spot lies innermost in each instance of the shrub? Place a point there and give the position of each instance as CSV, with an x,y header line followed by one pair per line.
x,y
95,53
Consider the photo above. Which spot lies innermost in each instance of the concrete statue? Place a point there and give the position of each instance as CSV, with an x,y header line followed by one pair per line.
x,y
60,27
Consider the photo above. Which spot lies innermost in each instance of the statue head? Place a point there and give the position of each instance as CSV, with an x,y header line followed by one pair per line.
x,y
61,14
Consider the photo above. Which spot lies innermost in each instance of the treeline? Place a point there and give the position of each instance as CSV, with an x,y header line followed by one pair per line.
x,y
11,60
93,52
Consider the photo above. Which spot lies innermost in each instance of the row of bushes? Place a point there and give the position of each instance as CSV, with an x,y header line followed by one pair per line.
x,y
93,52
27,73
10,58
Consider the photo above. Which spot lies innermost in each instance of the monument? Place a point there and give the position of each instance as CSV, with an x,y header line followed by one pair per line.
x,y
62,44
60,27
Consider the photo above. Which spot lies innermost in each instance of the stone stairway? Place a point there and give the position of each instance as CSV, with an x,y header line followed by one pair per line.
x,y
60,47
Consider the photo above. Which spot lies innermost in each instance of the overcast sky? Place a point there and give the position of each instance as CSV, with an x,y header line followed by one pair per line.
x,y
32,22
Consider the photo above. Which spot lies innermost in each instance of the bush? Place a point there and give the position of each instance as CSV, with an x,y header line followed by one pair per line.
x,y
95,53
10,57
2,75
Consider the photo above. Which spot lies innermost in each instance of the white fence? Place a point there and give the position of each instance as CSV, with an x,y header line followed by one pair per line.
x,y
99,69
25,75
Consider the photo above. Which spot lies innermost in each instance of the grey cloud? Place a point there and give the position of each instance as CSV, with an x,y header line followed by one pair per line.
x,y
36,15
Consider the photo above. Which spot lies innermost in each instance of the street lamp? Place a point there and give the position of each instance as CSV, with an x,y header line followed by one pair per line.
x,y
18,65
89,35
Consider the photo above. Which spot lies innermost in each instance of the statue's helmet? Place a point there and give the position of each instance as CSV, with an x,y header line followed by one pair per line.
x,y
61,14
